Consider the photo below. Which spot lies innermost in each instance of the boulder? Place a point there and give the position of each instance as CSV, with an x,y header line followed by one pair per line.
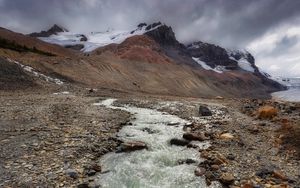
x,y
204,111
194,136
132,146
179,142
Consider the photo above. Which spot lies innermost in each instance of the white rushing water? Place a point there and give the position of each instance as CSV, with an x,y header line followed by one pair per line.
x,y
156,167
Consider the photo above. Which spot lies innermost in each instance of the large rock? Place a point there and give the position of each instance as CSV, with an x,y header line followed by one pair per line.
x,y
204,111
194,136
179,142
132,146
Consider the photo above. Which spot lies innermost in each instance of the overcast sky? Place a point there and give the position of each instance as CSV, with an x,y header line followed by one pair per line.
x,y
269,29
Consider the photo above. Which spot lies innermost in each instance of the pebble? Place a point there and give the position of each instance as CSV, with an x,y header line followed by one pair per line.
x,y
227,178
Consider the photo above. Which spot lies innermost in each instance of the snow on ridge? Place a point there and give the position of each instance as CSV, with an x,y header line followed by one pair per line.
x,y
37,74
95,39
217,69
243,62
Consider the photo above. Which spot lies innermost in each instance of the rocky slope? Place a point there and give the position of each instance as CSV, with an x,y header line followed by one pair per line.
x,y
148,59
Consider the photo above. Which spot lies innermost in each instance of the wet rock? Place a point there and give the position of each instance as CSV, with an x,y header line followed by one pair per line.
x,y
132,146
227,178
179,142
91,172
173,123
204,111
194,136
187,161
190,145
200,171
72,173
148,130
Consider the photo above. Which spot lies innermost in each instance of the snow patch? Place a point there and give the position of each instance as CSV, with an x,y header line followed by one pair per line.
x,y
37,74
217,69
245,65
94,39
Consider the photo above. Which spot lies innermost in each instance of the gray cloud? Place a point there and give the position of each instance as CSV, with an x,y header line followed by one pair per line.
x,y
229,23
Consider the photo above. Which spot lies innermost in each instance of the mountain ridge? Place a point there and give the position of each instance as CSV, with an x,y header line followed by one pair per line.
x,y
149,60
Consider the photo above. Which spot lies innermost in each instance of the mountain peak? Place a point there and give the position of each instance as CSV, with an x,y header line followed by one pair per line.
x,y
57,29
162,34
52,31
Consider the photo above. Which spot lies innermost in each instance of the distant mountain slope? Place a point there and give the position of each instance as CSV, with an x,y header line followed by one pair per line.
x,y
148,59
33,43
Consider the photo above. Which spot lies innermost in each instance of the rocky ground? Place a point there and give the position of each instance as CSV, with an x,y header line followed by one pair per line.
x,y
50,140
56,140
246,151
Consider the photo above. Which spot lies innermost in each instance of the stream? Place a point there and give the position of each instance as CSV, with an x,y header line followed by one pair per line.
x,y
157,166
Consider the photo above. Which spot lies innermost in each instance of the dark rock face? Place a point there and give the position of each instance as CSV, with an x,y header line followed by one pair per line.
x,y
52,31
142,25
83,38
163,35
75,47
211,54
153,26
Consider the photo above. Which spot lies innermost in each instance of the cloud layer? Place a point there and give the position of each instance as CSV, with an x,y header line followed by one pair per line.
x,y
267,28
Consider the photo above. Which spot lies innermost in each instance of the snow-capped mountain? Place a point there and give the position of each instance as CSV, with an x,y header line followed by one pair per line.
x,y
91,41
147,59
218,59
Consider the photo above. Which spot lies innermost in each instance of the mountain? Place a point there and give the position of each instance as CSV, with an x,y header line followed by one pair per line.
x,y
54,30
148,59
